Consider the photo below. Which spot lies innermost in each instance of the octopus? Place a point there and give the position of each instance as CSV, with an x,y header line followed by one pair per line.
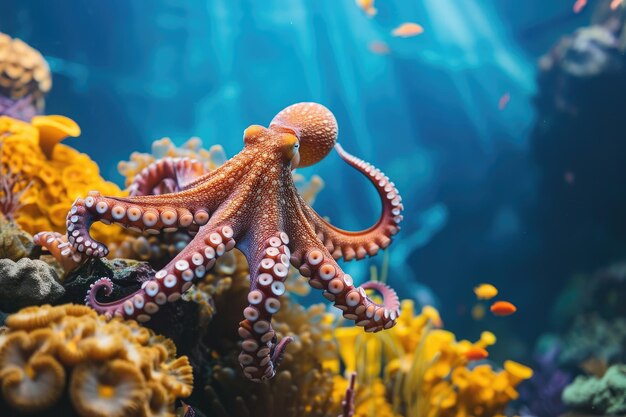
x,y
249,203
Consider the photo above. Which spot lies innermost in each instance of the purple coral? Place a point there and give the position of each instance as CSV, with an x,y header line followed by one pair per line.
x,y
347,404
542,393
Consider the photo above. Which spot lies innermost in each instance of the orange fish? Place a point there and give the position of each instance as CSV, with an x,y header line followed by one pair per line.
x,y
504,100
367,6
476,353
615,4
379,47
579,5
406,30
503,308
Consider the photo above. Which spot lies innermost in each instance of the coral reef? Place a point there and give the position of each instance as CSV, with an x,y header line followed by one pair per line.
x,y
600,396
427,372
24,79
541,395
304,383
114,368
164,148
55,180
593,340
27,282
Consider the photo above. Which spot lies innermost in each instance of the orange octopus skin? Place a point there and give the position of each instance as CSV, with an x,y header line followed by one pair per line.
x,y
250,203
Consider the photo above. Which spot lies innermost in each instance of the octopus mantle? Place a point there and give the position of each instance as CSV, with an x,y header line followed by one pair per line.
x,y
249,203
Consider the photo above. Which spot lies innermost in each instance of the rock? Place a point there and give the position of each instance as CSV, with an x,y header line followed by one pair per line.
x,y
27,282
14,242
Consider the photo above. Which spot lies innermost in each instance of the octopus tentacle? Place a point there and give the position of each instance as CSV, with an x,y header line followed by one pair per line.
x,y
166,175
339,287
350,245
149,213
60,248
168,283
260,354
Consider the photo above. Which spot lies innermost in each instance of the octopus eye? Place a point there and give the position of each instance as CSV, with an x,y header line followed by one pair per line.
x,y
314,125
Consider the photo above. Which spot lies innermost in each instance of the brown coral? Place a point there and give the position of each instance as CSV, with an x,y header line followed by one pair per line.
x,y
115,368
23,71
109,389
31,378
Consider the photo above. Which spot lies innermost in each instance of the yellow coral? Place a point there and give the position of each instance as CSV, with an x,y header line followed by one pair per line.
x,y
425,369
58,173
115,368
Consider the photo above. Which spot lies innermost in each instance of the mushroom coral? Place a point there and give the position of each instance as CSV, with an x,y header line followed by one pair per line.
x,y
57,173
115,368
426,372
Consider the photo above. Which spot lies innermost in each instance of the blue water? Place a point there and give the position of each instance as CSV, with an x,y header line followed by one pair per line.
x,y
131,71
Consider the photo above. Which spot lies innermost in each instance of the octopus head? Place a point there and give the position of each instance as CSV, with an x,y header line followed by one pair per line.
x,y
313,125
283,142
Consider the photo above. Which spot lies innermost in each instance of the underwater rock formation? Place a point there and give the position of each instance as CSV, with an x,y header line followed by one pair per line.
x,y
600,396
264,216
112,368
27,282
15,243
24,79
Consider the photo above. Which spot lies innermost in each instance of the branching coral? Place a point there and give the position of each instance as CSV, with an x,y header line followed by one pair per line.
x,y
57,173
426,372
115,368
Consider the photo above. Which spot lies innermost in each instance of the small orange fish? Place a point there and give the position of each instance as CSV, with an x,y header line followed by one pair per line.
x,y
504,100
579,5
367,6
485,291
476,353
615,4
379,47
407,30
503,308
